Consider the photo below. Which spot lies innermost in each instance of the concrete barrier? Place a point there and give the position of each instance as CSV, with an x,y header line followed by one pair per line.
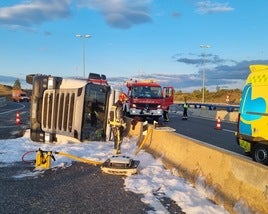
x,y
228,116
228,179
213,114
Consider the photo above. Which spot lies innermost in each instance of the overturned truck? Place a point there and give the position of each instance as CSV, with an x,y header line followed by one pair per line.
x,y
70,107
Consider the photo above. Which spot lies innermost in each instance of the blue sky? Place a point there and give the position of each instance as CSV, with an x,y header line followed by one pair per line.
x,y
157,39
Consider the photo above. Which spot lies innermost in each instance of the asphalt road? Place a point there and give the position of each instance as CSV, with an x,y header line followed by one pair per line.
x,y
203,129
8,127
79,188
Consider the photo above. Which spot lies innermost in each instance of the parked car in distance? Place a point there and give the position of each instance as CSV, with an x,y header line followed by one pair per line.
x,y
24,98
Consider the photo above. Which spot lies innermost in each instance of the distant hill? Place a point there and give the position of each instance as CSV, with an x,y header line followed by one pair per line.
x,y
5,91
8,80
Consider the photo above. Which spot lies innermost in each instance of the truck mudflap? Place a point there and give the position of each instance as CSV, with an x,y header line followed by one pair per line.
x,y
244,144
120,165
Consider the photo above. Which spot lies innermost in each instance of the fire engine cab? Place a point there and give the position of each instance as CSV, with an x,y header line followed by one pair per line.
x,y
148,99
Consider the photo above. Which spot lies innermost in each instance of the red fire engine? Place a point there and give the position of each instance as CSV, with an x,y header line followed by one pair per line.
x,y
148,99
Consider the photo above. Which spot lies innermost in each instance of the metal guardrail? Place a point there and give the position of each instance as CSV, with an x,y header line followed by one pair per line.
x,y
2,101
212,106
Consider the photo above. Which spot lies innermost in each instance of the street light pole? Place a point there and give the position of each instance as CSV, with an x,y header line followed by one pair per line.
x,y
83,37
203,82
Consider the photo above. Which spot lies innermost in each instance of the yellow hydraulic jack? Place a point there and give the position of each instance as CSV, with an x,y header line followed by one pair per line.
x,y
43,159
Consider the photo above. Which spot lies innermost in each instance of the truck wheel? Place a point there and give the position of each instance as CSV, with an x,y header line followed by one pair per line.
x,y
260,154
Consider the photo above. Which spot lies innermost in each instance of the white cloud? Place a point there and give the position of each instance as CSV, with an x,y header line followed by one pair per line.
x,y
120,13
207,6
34,12
117,13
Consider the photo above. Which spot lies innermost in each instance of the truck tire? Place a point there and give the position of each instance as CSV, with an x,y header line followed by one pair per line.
x,y
29,78
260,153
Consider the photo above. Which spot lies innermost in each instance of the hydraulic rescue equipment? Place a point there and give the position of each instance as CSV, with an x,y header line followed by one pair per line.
x,y
43,159
116,165
120,165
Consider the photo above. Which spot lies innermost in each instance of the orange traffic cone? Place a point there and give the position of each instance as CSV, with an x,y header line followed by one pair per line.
x,y
17,118
218,123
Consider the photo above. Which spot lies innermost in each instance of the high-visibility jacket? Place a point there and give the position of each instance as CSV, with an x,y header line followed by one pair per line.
x,y
116,115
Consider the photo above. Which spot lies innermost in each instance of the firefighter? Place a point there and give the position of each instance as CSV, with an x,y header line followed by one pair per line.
x,y
165,115
117,122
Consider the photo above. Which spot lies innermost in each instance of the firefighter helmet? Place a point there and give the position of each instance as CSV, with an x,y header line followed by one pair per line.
x,y
123,97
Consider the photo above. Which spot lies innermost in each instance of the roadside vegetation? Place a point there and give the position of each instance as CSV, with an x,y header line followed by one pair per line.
x,y
5,90
218,96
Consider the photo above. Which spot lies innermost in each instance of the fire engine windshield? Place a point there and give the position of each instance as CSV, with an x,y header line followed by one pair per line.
x,y
146,92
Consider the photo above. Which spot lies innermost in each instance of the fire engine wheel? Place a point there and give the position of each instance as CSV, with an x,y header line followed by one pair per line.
x,y
260,153
156,119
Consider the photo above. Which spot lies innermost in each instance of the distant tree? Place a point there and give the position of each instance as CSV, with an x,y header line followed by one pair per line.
x,y
197,93
17,84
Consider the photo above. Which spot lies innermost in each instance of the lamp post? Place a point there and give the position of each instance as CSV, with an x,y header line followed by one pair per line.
x,y
83,37
203,82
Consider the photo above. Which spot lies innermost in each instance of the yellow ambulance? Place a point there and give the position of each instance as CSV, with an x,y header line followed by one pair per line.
x,y
252,128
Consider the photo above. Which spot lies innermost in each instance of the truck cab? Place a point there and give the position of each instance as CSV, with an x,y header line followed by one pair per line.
x,y
69,107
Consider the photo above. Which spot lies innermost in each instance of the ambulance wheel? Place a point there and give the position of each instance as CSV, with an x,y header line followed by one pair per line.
x,y
260,153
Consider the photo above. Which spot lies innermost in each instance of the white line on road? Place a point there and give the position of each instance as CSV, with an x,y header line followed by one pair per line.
x,y
4,127
227,130
16,109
